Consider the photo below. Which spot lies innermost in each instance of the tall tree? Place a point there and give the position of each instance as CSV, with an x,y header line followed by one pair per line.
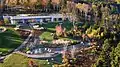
x,y
49,5
38,4
63,4
104,60
118,1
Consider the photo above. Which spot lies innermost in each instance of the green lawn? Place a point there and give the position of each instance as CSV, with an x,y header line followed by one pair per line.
x,y
17,60
46,35
9,40
51,29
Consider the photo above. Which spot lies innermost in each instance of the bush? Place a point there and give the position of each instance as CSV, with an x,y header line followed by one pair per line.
x,y
6,21
89,30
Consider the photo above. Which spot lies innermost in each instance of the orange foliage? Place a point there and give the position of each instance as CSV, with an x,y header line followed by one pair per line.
x,y
59,30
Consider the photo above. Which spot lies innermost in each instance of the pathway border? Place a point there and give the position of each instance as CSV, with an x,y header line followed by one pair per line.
x,y
24,43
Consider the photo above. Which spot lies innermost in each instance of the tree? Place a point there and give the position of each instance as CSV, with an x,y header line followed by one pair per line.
x,y
118,1
104,59
74,16
6,21
38,4
49,5
26,4
59,30
63,4
106,45
115,56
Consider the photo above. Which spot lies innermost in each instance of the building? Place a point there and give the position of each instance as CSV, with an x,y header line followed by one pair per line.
x,y
35,19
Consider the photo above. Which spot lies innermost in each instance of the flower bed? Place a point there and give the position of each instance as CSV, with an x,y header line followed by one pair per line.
x,y
58,43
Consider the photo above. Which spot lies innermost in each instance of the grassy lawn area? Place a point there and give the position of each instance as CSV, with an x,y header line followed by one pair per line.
x,y
51,29
17,60
9,40
46,35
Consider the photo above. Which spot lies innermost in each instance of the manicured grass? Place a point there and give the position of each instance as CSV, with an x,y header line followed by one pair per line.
x,y
46,36
9,40
51,25
17,60
51,29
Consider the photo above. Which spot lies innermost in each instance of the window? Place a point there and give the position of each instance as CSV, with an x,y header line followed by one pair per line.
x,y
60,19
55,19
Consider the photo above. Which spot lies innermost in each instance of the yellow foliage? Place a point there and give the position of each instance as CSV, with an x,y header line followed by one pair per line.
x,y
118,1
56,65
79,5
93,6
102,34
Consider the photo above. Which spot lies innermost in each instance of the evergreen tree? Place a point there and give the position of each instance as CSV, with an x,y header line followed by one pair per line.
x,y
38,4
49,5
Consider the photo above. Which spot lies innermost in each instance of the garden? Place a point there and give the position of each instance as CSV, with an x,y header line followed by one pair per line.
x,y
60,33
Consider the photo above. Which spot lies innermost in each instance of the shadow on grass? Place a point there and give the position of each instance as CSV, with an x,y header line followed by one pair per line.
x,y
51,31
9,40
68,25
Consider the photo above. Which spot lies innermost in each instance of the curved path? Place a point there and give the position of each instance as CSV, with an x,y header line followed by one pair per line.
x,y
38,56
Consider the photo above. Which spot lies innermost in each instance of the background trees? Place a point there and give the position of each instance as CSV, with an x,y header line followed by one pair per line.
x,y
63,4
118,1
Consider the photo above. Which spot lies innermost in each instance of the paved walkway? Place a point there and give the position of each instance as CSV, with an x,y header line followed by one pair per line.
x,y
37,56
24,43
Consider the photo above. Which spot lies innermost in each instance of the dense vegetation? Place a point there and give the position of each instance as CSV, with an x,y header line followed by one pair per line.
x,y
108,40
32,6
105,31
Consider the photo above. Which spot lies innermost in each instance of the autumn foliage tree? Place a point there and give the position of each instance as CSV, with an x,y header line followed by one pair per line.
x,y
59,30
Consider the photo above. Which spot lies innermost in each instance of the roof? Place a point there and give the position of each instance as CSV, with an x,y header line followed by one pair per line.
x,y
33,17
